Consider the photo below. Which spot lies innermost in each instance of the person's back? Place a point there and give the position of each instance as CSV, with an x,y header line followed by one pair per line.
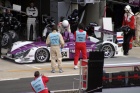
x,y
39,83
80,44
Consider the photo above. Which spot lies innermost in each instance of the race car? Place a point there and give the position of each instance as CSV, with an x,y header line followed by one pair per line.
x,y
38,51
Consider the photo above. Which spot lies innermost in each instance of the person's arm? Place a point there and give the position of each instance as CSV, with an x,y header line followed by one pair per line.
x,y
48,40
45,78
36,12
123,23
135,19
132,23
59,27
61,40
27,11
69,30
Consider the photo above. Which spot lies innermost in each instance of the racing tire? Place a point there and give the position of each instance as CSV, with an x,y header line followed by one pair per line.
x,y
14,36
42,55
108,49
6,41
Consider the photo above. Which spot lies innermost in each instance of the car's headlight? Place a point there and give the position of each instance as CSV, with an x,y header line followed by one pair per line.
x,y
21,54
18,54
26,52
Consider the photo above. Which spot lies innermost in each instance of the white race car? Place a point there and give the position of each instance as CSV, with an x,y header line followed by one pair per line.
x,y
38,51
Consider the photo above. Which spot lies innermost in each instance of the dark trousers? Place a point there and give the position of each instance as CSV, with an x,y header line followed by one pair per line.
x,y
127,38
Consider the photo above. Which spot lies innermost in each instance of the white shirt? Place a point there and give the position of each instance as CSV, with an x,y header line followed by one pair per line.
x,y
32,11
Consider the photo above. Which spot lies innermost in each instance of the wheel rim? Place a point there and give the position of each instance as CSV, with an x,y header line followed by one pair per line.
x,y
5,38
108,51
42,55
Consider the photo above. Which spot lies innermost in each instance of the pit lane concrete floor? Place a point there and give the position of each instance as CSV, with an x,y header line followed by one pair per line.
x,y
11,70
56,85
23,73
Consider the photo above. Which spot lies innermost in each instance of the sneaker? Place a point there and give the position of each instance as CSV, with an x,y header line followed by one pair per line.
x,y
53,71
75,67
61,71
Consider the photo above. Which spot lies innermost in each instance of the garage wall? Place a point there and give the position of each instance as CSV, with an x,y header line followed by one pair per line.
x,y
94,13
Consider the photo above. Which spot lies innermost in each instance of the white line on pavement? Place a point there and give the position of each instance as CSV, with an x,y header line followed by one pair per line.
x,y
33,66
9,79
49,64
63,75
32,77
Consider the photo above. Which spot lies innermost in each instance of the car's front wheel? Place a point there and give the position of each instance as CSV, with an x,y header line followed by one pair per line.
x,y
42,55
6,40
13,35
108,49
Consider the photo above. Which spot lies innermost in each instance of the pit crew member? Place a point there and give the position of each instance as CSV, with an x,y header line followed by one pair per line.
x,y
56,42
80,44
128,20
39,83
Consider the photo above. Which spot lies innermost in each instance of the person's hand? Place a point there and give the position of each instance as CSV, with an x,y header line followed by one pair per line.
x,y
62,46
42,74
30,16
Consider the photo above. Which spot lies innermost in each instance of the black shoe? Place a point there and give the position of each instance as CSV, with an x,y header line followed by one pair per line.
x,y
126,54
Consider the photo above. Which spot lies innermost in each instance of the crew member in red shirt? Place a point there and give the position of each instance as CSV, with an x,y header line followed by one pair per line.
x,y
128,20
80,44
39,83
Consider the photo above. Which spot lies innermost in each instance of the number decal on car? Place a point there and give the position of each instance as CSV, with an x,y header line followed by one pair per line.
x,y
64,54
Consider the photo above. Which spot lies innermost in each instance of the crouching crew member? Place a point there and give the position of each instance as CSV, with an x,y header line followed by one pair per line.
x,y
39,83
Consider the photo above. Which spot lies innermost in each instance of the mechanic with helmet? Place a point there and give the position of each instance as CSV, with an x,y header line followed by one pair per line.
x,y
129,21
64,26
56,42
64,29
39,83
80,44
